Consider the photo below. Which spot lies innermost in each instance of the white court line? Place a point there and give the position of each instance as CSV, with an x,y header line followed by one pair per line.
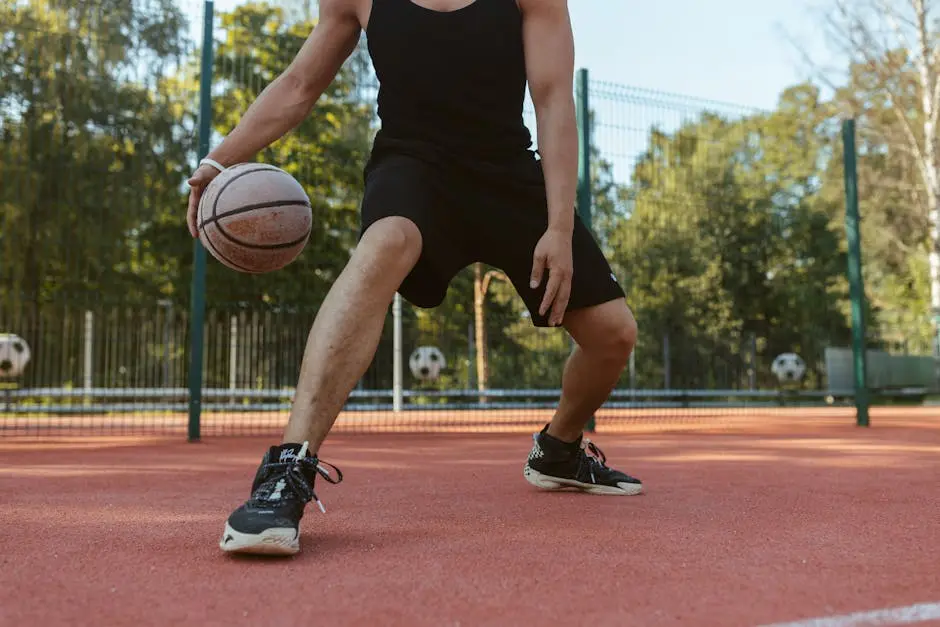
x,y
907,615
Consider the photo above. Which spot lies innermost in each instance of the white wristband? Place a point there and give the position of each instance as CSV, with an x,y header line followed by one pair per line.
x,y
215,164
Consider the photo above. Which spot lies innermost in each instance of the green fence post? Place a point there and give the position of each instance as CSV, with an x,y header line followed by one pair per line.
x,y
582,106
197,307
856,283
584,149
936,348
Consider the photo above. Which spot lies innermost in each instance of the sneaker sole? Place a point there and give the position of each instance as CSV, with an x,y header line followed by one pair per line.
x,y
547,482
268,542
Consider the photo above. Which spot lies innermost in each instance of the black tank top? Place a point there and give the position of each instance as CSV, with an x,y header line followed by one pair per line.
x,y
453,82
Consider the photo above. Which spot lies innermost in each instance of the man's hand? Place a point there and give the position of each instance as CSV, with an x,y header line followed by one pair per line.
x,y
553,253
197,185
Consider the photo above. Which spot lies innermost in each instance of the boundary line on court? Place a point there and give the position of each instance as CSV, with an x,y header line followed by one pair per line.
x,y
905,615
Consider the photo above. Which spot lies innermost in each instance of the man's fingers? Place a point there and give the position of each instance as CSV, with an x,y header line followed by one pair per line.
x,y
201,177
192,212
538,268
554,282
561,302
197,183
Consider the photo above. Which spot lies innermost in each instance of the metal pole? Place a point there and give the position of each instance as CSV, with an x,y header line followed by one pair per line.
x,y
471,356
584,150
167,321
88,362
752,361
198,292
633,370
583,112
232,357
856,283
396,355
667,363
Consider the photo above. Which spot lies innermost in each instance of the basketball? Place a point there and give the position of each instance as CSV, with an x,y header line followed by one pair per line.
x,y
254,218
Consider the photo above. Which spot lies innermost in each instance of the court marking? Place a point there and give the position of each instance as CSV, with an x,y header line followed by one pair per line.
x,y
906,615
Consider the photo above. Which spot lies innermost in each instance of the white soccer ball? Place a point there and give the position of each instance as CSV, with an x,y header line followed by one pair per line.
x,y
14,355
788,368
426,363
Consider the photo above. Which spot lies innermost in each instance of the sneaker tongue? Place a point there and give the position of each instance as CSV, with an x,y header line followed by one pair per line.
x,y
285,453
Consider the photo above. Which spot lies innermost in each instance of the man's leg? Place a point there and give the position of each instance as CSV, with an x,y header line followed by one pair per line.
x,y
340,347
605,336
347,329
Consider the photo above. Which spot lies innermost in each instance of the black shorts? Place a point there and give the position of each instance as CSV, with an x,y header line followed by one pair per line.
x,y
477,212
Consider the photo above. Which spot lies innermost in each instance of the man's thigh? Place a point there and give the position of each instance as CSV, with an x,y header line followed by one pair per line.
x,y
407,187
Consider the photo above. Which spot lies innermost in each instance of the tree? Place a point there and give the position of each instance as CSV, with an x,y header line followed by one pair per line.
x,y
89,135
92,151
97,136
894,90
728,244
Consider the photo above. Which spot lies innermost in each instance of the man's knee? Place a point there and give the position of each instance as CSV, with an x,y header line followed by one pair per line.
x,y
623,334
608,330
390,241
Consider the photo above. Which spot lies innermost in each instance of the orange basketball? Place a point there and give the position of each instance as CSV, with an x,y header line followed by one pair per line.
x,y
254,218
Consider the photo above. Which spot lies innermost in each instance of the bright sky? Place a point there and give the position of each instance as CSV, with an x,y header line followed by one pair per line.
x,y
727,50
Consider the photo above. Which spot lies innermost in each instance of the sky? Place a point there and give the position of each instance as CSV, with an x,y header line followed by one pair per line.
x,y
726,50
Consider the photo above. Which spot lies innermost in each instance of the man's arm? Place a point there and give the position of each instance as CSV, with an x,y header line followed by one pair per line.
x,y
289,98
549,54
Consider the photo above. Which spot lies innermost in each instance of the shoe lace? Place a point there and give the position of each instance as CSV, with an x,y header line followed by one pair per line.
x,y
300,475
596,460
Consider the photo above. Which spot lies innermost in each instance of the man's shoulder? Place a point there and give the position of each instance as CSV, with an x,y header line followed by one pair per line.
x,y
343,10
542,7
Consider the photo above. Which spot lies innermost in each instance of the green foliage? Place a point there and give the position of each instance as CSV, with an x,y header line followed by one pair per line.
x,y
727,245
90,148
728,234
894,203
97,136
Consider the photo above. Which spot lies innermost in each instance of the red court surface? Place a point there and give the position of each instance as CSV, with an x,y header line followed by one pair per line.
x,y
739,526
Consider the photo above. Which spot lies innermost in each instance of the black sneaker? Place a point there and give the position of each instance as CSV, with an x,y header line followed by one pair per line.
x,y
268,523
557,465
